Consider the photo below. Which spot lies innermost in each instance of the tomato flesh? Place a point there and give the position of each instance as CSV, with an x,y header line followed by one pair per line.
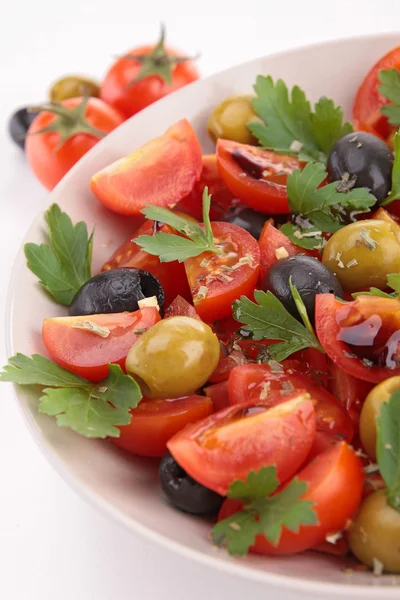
x,y
161,173
87,354
154,422
218,393
230,443
181,308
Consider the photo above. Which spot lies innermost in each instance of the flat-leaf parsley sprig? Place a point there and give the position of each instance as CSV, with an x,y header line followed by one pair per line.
x,y
262,513
169,246
390,88
94,410
394,193
388,448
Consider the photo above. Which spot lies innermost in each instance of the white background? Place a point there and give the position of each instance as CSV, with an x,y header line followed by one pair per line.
x,y
52,545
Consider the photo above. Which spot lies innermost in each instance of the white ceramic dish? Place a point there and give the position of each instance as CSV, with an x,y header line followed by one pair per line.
x,y
126,488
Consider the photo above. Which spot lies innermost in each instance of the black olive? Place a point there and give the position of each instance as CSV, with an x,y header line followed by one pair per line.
x,y
362,160
309,275
19,123
116,290
250,220
184,492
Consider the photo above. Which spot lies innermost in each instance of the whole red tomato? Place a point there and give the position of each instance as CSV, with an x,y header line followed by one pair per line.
x,y
146,74
61,134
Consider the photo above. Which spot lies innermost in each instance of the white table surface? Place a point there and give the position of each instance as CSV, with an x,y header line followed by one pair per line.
x,y
52,545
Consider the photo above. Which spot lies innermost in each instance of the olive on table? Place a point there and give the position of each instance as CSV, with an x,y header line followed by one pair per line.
x,y
372,409
365,159
375,533
174,358
309,276
247,218
362,254
230,119
184,492
19,123
73,86
114,291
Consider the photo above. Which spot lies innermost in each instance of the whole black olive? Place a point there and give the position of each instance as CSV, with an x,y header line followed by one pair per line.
x,y
184,492
309,275
116,290
362,160
19,123
250,220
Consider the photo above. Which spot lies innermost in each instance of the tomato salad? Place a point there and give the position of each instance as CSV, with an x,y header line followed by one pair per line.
x,y
248,333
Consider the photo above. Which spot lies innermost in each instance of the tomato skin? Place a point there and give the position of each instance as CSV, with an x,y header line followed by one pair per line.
x,y
172,275
161,172
226,365
350,392
154,422
230,443
223,288
368,101
48,161
87,354
181,308
328,330
116,91
267,195
218,393
335,485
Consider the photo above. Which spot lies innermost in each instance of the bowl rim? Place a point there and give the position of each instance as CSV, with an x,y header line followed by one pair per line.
x,y
233,567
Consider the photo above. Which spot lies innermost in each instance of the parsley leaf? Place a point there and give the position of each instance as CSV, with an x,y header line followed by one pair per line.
x,y
169,246
262,513
390,88
270,320
388,447
63,265
320,209
91,409
394,193
393,281
290,122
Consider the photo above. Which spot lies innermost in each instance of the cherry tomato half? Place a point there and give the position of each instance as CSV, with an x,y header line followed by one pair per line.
x,y
230,443
255,176
218,393
73,345
154,422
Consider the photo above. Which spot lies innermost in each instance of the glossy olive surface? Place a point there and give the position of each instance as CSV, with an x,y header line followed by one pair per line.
x,y
230,119
73,86
174,358
250,220
366,159
375,533
19,123
184,492
362,254
372,409
116,290
310,277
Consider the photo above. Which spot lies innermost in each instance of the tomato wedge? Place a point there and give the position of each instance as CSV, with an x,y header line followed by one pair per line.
x,y
360,337
335,486
230,443
350,392
368,101
218,393
181,307
172,275
72,345
154,422
255,176
217,280
162,173
226,364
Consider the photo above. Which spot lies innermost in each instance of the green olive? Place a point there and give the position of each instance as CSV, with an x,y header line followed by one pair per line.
x,y
375,533
174,358
362,254
230,118
73,86
372,409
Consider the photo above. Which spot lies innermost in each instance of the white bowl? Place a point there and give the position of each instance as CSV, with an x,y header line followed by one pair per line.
x,y
126,488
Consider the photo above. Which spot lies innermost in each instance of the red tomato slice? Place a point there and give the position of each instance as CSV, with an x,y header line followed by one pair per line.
x,y
162,172
350,392
221,198
181,307
226,364
172,275
255,176
360,337
87,354
230,443
335,484
368,102
223,278
218,392
252,383
154,422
